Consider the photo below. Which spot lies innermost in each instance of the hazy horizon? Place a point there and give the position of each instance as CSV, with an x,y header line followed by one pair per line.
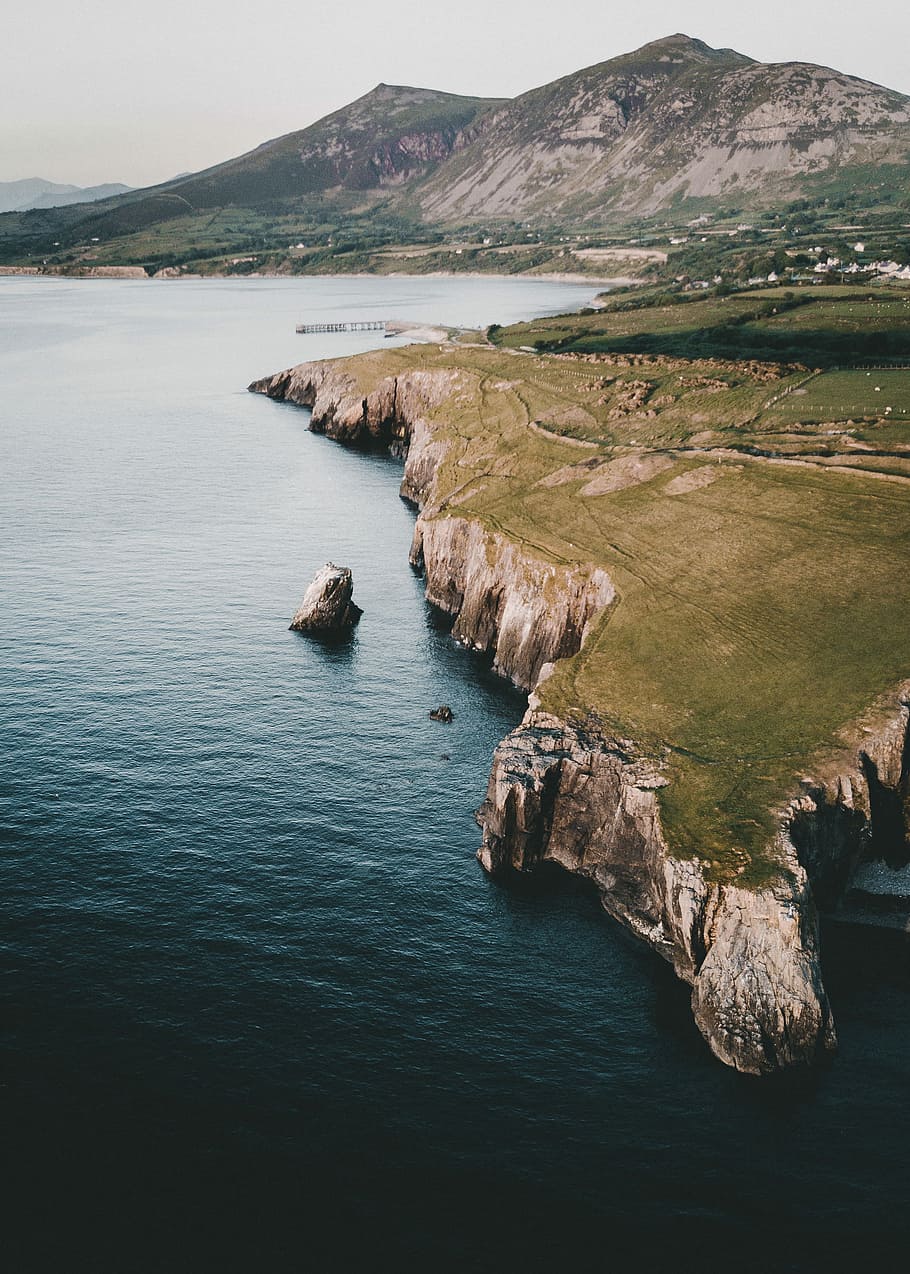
x,y
139,98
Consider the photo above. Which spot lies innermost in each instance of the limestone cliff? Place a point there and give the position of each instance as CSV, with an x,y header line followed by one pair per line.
x,y
569,795
524,609
563,792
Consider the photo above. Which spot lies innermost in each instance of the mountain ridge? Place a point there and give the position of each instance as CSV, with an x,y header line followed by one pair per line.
x,y
348,148
674,129
612,137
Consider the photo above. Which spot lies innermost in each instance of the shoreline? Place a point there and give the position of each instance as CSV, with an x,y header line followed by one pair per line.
x,y
130,274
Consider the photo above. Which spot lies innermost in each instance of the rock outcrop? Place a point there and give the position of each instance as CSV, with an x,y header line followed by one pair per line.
x,y
81,271
391,413
565,793
327,605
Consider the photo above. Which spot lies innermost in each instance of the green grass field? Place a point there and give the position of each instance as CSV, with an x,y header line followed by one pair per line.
x,y
819,326
854,395
762,601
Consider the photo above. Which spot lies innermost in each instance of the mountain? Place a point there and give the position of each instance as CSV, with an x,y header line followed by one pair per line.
x,y
35,192
383,139
379,142
674,129
80,194
674,121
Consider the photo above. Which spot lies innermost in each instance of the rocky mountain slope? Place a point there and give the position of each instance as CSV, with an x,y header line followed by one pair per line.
x,y
674,120
385,138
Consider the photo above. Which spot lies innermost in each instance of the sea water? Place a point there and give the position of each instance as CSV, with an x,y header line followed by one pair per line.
x,y
261,1009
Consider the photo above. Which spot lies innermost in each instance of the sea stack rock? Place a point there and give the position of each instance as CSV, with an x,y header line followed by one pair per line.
x,y
327,605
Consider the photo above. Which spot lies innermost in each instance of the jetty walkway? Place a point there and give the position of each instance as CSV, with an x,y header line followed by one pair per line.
x,y
377,325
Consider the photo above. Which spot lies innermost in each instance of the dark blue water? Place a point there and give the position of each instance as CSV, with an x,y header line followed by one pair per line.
x,y
261,1009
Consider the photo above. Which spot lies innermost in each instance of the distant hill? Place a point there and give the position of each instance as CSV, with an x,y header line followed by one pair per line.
x,y
35,192
673,130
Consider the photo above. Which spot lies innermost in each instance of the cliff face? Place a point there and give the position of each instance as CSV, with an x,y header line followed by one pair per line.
x,y
527,611
859,810
558,793
562,792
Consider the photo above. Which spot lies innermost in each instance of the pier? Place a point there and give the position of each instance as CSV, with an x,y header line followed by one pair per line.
x,y
377,325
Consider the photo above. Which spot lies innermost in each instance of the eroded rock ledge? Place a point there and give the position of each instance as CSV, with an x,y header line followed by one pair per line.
x,y
564,793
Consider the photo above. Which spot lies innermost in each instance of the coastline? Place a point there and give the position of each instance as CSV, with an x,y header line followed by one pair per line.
x,y
138,274
566,789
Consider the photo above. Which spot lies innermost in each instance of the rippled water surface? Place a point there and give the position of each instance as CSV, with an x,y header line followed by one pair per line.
x,y
261,1008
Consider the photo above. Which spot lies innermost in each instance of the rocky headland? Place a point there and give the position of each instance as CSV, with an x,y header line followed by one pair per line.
x,y
566,788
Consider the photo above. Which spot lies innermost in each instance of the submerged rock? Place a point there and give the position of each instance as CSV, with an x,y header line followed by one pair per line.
x,y
327,605
442,713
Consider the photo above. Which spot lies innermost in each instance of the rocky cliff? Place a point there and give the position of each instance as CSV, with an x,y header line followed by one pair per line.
x,y
504,598
525,610
561,793
566,792
573,796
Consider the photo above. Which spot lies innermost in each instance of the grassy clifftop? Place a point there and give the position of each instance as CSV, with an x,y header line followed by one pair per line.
x,y
754,519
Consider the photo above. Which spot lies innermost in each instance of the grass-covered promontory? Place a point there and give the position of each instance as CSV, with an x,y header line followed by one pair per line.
x,y
754,519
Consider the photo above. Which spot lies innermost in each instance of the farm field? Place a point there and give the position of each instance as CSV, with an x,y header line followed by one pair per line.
x,y
818,326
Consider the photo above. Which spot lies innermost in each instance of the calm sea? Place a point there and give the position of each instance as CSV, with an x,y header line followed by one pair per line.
x,y
261,1009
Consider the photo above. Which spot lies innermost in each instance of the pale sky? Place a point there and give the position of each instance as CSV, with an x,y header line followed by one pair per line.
x,y
115,90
